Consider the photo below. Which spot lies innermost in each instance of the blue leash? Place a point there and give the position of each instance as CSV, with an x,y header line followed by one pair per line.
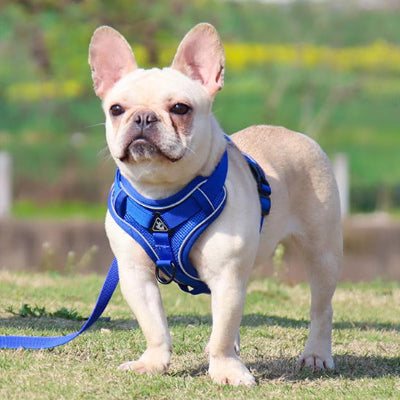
x,y
41,342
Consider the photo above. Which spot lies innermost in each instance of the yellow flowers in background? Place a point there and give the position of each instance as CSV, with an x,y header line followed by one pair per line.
x,y
33,91
377,57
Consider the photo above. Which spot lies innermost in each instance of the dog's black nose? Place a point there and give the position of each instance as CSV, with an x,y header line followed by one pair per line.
x,y
145,118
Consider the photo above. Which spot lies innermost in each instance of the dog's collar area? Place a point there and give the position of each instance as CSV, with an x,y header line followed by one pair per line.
x,y
168,228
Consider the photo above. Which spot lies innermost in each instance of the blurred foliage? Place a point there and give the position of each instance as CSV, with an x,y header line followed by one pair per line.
x,y
379,56
327,69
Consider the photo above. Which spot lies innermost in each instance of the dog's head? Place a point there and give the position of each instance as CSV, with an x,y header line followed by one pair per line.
x,y
158,119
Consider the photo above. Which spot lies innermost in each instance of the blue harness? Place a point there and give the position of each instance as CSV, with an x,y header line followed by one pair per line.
x,y
168,228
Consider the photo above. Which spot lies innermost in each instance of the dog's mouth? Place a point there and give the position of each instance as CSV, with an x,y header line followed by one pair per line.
x,y
139,149
142,149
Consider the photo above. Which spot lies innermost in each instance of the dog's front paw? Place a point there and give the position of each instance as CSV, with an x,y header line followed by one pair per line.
x,y
230,370
141,367
151,362
315,362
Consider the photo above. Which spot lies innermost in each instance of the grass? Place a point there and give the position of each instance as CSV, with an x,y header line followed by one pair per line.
x,y
366,343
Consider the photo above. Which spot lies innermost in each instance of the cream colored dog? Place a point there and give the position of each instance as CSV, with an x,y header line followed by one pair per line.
x,y
185,141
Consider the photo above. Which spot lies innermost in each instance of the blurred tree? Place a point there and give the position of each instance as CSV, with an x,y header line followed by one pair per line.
x,y
151,23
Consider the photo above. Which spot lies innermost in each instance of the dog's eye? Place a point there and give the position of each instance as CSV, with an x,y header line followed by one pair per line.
x,y
180,109
116,110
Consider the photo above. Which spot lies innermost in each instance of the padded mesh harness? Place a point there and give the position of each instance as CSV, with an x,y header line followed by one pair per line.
x,y
168,228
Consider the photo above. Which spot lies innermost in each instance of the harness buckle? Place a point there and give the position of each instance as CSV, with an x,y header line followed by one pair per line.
x,y
170,279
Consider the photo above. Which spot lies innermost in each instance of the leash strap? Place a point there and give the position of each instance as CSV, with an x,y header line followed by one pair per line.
x,y
42,342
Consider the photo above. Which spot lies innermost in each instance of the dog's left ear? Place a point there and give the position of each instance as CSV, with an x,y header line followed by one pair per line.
x,y
110,58
201,56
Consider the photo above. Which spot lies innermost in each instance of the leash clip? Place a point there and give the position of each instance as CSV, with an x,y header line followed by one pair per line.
x,y
170,279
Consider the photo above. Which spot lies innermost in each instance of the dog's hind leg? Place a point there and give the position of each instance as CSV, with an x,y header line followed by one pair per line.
x,y
323,252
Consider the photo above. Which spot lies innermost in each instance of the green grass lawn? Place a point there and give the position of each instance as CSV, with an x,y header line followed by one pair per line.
x,y
366,343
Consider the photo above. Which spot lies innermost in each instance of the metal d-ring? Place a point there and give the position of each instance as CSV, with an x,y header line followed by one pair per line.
x,y
171,278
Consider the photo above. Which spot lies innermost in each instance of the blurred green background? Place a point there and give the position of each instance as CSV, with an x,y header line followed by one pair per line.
x,y
330,69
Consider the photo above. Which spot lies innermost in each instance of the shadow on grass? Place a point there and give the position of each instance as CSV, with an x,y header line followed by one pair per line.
x,y
59,325
347,366
249,320
256,320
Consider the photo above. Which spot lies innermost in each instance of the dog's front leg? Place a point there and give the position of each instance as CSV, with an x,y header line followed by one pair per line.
x,y
140,289
141,292
228,295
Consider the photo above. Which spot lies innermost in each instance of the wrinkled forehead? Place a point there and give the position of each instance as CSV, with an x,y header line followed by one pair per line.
x,y
156,86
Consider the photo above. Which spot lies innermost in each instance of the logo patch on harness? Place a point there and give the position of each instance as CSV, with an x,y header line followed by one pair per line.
x,y
159,225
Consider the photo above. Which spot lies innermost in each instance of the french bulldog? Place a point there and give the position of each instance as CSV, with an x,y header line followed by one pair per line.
x,y
161,132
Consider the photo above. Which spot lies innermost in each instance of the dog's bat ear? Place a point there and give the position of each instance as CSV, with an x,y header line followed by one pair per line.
x,y
201,57
110,58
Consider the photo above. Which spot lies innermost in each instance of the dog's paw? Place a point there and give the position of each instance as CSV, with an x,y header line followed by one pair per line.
x,y
230,370
151,362
140,367
316,363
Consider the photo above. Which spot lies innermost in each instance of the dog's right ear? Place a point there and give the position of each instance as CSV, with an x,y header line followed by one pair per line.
x,y
110,58
201,57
